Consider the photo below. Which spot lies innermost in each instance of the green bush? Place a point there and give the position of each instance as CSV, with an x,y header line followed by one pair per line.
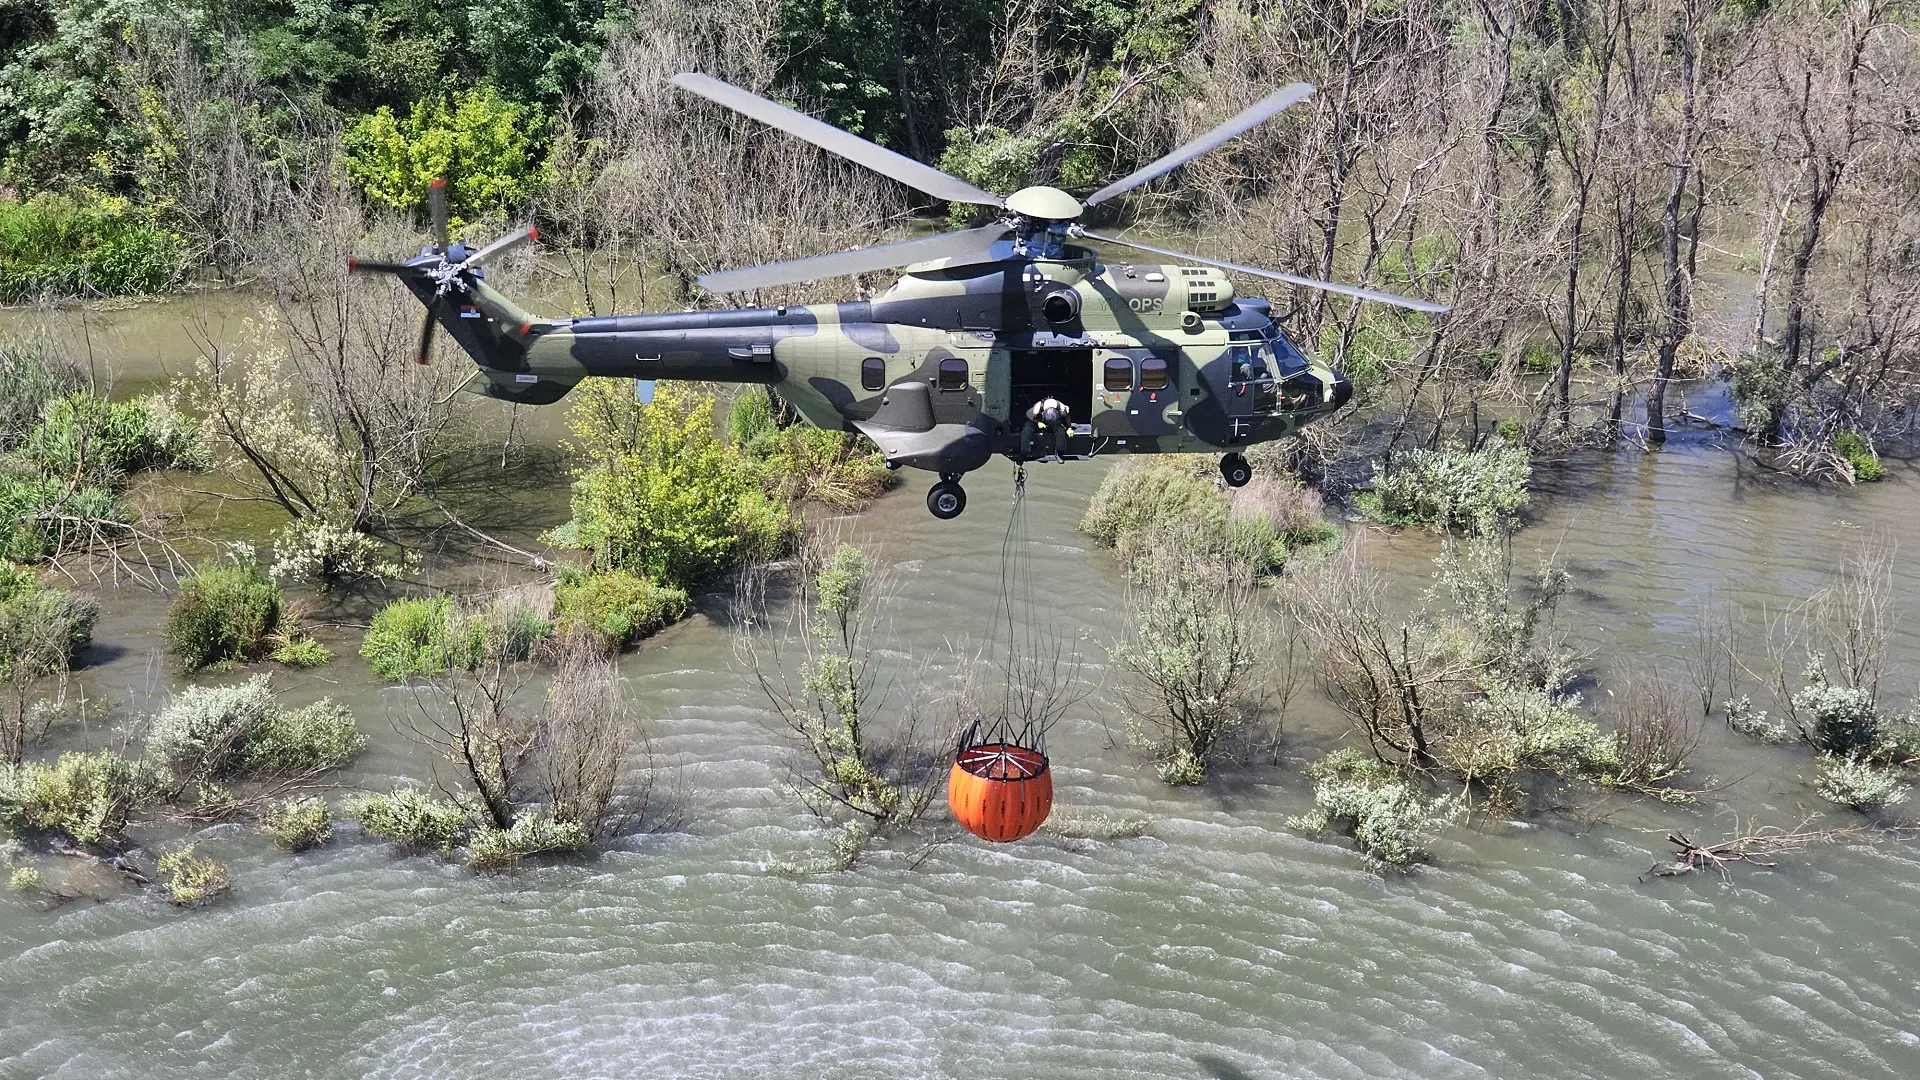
x,y
97,437
411,817
86,796
23,879
486,147
54,244
1858,783
533,833
1144,502
1477,492
40,627
191,879
298,823
241,731
662,497
808,464
1386,816
617,607
225,613
1859,456
422,637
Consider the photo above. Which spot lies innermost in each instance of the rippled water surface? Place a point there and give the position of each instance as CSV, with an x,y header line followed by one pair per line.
x,y
1221,944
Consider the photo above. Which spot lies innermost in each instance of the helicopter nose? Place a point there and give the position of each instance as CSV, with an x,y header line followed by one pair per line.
x,y
1342,391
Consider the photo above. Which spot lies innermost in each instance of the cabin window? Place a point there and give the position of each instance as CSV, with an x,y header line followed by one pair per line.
x,y
873,373
1153,373
953,374
1119,374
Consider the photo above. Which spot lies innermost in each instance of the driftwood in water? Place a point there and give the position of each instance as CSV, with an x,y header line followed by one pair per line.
x,y
1753,847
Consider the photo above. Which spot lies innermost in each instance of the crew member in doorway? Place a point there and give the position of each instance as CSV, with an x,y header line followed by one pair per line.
x,y
1049,415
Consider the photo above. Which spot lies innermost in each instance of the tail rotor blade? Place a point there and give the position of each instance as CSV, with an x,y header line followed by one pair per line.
x,y
437,199
1292,279
894,166
1242,122
503,245
425,351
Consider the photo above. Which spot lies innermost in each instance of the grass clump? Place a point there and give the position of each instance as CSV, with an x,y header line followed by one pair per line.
x,y
299,823
1857,452
241,731
300,651
23,879
100,245
1472,492
616,607
413,818
191,879
222,615
419,637
533,833
87,797
1387,817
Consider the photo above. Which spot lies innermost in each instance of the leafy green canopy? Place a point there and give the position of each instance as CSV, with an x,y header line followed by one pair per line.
x,y
76,75
659,494
484,145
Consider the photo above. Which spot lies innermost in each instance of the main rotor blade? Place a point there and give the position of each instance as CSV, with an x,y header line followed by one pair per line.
x,y
426,333
1291,279
912,173
1240,124
953,245
437,200
368,266
503,245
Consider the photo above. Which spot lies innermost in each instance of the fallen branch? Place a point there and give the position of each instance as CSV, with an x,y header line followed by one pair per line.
x,y
1753,847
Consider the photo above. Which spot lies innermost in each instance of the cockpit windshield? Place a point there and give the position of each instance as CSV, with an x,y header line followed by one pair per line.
x,y
1260,354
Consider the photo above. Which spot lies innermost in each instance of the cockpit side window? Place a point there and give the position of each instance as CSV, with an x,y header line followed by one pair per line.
x,y
1291,362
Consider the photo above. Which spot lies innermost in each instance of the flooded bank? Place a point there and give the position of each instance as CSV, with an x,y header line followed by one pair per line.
x,y
1220,944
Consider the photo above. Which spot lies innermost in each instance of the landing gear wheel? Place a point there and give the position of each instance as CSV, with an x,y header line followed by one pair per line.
x,y
946,500
1235,470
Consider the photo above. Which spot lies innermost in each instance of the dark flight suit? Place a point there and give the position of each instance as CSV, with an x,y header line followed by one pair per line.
x,y
1050,415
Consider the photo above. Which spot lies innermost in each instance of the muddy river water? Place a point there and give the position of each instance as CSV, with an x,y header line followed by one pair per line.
x,y
1220,944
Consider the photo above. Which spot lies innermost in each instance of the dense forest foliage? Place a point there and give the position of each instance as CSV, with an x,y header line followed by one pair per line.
x,y
1610,193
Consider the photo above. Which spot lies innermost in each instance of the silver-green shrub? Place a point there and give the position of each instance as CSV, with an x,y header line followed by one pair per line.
x,y
412,817
533,833
1387,817
1858,783
1476,492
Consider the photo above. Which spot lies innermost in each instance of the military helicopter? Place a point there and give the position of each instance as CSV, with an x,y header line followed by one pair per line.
x,y
941,369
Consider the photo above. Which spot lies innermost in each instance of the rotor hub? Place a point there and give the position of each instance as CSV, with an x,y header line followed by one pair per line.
x,y
1044,203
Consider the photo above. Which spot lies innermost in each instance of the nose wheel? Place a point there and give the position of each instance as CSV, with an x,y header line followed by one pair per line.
x,y
1235,470
946,499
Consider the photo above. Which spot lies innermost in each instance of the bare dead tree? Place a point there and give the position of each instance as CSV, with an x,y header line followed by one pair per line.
x,y
469,719
586,735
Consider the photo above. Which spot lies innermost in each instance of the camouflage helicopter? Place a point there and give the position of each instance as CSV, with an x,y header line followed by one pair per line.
x,y
941,369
